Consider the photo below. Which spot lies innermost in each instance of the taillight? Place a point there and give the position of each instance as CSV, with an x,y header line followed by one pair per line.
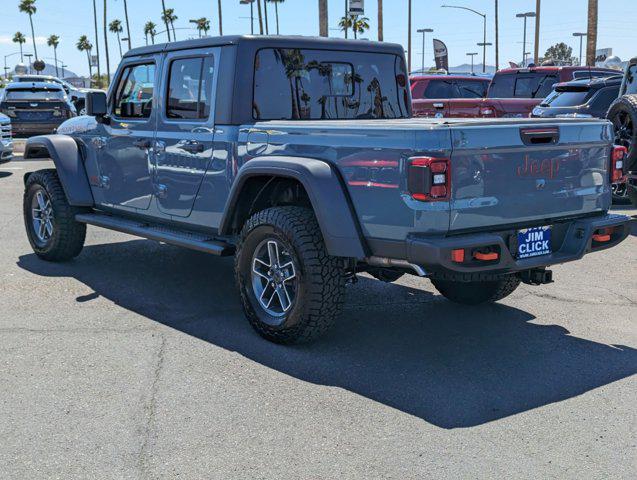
x,y
617,163
428,178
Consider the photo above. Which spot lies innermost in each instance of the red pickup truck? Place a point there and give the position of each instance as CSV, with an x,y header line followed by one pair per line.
x,y
513,92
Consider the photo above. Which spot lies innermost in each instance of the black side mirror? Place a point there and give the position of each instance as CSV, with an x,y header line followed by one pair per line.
x,y
96,104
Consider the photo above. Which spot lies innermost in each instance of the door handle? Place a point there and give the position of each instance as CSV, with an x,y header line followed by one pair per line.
x,y
143,144
439,105
193,147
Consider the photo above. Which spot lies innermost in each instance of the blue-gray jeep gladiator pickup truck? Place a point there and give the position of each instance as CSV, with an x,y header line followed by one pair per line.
x,y
300,157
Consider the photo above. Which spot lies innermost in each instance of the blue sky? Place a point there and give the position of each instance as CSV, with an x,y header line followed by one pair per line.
x,y
459,29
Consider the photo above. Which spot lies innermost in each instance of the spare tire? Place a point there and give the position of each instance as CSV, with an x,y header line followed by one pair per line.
x,y
623,115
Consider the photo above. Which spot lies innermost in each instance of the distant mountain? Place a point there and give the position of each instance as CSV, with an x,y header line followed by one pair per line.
x,y
466,68
50,70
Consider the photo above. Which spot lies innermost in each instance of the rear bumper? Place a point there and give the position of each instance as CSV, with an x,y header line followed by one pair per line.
x,y
574,239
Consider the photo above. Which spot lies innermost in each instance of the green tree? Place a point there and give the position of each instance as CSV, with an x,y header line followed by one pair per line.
x,y
560,53
203,25
357,24
116,27
169,18
150,29
54,41
28,7
84,45
20,39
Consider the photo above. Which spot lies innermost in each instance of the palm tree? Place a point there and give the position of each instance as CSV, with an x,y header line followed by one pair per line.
x,y
380,20
150,29
97,42
20,39
359,25
276,10
84,45
203,25
169,17
220,22
54,41
591,39
323,18
108,60
127,24
345,23
165,18
260,17
116,27
28,7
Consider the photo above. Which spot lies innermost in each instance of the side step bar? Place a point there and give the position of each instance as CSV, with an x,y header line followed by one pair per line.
x,y
193,240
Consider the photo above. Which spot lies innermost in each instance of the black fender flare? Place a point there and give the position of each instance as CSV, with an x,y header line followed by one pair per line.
x,y
325,188
67,158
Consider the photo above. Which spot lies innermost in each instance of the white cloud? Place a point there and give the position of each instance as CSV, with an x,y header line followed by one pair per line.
x,y
8,40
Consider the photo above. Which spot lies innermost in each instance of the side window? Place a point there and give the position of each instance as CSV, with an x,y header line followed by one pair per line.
x,y
605,97
438,89
471,89
134,94
189,88
502,86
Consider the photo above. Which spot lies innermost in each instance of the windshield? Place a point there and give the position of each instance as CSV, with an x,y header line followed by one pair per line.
x,y
41,94
522,85
295,84
567,98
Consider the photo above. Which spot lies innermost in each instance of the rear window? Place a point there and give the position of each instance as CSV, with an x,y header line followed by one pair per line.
x,y
522,85
471,89
631,80
34,94
569,98
294,84
605,97
438,89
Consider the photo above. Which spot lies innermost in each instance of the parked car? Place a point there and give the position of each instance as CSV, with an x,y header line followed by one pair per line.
x,y
36,107
6,139
623,115
514,92
267,159
76,95
444,95
584,99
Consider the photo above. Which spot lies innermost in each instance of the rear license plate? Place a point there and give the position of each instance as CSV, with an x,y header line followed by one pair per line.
x,y
534,242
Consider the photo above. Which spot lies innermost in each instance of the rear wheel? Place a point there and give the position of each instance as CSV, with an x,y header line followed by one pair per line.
x,y
291,289
475,293
50,220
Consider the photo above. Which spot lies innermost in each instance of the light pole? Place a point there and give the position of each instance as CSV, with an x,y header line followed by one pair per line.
x,y
473,54
29,55
6,69
484,45
251,2
424,31
63,66
525,16
484,42
581,36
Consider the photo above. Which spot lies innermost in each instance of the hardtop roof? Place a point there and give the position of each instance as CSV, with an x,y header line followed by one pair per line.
x,y
275,41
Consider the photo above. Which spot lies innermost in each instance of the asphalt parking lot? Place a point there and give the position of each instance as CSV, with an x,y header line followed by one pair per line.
x,y
135,361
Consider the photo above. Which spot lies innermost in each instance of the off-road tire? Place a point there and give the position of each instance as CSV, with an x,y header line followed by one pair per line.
x,y
626,105
321,277
68,236
475,293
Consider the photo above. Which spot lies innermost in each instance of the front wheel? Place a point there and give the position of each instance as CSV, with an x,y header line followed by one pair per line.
x,y
475,293
291,289
50,220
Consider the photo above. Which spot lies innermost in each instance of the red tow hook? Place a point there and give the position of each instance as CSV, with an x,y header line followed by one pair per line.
x,y
603,235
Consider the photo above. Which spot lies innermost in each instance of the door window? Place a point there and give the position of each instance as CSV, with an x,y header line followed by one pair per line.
x,y
605,97
189,87
134,94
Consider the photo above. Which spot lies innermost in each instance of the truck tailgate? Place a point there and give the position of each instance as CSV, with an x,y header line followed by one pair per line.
x,y
524,173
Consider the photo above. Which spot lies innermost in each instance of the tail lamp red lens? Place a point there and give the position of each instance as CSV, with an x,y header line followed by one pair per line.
x,y
617,163
428,178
